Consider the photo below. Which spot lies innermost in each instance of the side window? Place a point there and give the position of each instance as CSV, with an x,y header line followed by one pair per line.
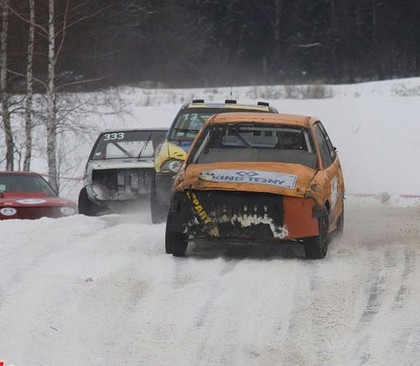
x,y
329,143
323,147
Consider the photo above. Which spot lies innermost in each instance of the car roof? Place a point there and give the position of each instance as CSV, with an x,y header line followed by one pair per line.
x,y
135,130
230,104
18,172
283,119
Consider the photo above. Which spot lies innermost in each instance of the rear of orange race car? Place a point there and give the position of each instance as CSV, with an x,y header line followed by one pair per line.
x,y
240,201
251,201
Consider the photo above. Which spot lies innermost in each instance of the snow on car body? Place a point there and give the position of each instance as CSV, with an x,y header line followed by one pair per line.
x,y
258,178
119,170
27,195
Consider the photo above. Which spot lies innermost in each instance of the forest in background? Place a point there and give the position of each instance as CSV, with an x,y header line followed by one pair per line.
x,y
193,43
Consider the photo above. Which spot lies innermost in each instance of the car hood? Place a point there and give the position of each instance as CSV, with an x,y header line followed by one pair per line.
x,y
277,178
19,199
121,164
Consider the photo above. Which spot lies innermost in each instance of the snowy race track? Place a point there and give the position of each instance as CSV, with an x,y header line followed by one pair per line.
x,y
101,291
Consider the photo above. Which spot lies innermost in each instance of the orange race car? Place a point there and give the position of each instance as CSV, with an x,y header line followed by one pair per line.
x,y
258,178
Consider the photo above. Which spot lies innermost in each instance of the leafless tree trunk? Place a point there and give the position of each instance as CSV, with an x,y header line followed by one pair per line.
x,y
29,88
278,4
3,85
51,100
54,49
56,117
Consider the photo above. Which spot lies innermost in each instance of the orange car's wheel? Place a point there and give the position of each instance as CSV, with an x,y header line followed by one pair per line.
x,y
339,230
317,247
176,243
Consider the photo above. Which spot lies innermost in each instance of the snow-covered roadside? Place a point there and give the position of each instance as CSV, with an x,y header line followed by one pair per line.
x,y
101,291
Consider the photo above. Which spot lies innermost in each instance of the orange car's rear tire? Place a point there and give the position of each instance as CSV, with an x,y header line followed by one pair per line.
x,y
317,247
176,242
339,230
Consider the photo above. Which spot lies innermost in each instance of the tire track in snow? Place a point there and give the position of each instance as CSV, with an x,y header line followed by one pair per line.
x,y
401,296
246,308
320,318
320,314
406,340
205,318
411,349
204,277
376,292
298,326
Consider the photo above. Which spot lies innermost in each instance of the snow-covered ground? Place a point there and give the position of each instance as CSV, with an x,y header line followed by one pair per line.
x,y
101,291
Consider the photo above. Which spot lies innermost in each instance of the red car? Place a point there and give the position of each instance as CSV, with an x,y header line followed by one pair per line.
x,y
27,195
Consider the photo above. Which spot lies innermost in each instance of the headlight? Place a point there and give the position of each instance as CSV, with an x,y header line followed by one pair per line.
x,y
8,211
172,165
67,211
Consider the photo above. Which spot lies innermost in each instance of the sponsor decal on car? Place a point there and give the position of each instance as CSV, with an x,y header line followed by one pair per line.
x,y
281,180
31,201
67,211
8,211
198,208
334,191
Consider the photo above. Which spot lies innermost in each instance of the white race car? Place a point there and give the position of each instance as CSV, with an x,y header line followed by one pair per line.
x,y
119,171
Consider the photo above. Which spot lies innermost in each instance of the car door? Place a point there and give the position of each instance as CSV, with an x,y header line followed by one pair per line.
x,y
331,168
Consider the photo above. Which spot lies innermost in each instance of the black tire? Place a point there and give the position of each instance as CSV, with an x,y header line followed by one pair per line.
x,y
176,243
317,247
85,205
158,210
339,229
168,236
168,241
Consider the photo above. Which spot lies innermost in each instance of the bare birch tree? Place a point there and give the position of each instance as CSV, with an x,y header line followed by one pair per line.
x,y
56,39
51,99
4,95
53,28
29,88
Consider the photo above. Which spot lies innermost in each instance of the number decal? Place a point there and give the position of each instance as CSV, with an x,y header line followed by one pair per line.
x,y
334,191
114,136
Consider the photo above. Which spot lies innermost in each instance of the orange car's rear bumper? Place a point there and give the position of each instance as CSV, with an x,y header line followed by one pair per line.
x,y
300,217
249,216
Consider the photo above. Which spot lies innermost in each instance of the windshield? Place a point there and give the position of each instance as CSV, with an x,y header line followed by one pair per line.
x,y
25,183
189,121
127,144
249,142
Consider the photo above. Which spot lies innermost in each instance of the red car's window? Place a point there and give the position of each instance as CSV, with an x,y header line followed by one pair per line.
x,y
25,183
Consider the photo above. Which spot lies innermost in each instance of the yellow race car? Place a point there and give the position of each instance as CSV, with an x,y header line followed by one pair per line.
x,y
171,154
258,178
